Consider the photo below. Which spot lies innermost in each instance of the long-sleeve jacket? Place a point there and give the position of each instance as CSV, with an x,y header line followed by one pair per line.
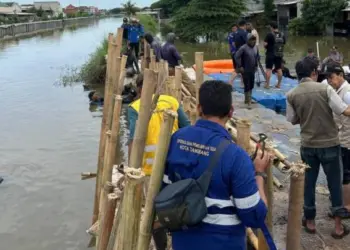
x,y
232,199
247,57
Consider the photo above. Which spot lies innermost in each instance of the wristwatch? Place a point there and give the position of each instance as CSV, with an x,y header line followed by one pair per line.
x,y
262,174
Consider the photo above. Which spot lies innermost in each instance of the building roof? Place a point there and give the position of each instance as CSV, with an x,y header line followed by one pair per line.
x,y
286,2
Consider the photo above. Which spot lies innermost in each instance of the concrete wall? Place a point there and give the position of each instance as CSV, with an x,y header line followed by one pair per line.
x,y
19,29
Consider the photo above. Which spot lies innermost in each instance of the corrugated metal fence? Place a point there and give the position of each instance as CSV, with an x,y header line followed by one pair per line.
x,y
23,28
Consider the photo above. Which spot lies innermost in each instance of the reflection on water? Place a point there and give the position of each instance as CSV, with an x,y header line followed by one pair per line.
x,y
48,137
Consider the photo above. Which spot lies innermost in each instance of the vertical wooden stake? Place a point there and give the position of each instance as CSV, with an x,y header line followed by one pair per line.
x,y
269,191
178,83
139,142
153,60
243,134
243,140
156,180
107,217
296,192
112,53
187,105
199,72
128,230
193,116
122,75
147,54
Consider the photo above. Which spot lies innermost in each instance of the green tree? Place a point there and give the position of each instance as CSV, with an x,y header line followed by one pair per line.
x,y
170,7
207,18
269,9
40,12
116,10
129,8
318,14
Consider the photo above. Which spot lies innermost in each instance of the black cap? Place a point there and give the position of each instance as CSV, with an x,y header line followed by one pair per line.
x,y
334,68
125,19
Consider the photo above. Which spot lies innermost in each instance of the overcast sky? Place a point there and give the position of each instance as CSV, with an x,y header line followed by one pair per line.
x,y
102,4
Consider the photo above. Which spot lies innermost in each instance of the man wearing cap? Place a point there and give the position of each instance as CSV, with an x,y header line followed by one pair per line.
x,y
335,76
312,105
134,32
247,62
125,26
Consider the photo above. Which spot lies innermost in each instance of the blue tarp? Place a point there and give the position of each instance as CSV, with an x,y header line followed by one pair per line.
x,y
270,98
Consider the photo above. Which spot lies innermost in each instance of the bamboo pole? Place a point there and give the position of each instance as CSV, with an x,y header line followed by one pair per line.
x,y
112,53
147,54
199,57
296,191
122,75
187,105
107,217
111,141
156,180
193,116
152,65
243,132
243,135
269,196
116,223
128,230
88,175
178,83
138,145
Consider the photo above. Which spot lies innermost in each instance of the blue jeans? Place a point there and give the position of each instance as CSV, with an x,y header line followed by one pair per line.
x,y
330,159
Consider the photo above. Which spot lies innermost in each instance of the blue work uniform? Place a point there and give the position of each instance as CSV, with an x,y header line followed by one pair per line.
x,y
232,199
231,41
134,33
241,38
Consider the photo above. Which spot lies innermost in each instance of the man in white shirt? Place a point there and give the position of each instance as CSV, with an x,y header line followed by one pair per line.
x,y
335,76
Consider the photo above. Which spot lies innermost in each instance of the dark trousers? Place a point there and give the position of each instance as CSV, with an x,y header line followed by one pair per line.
x,y
330,159
136,48
248,81
346,165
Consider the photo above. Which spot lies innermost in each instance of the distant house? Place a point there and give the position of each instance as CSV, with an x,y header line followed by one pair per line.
x,y
93,10
49,7
70,10
10,8
84,9
26,8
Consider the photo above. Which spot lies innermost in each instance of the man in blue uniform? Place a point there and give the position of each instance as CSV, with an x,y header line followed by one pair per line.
x,y
135,31
231,43
235,198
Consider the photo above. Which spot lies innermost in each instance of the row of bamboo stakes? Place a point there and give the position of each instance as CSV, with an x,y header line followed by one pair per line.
x,y
117,223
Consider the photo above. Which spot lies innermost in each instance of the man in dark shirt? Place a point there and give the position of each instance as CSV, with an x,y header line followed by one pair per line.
x,y
241,38
247,63
155,45
125,26
274,42
169,52
241,35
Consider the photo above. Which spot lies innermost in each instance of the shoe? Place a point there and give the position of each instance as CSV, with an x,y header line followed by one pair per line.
x,y
308,230
246,97
346,232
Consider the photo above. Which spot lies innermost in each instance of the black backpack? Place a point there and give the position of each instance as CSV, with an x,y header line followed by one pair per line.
x,y
279,44
182,204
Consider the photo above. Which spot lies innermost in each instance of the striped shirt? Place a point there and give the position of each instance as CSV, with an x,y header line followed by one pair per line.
x,y
233,199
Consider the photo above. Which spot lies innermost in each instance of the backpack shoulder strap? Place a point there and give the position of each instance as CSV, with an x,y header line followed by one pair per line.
x,y
205,178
